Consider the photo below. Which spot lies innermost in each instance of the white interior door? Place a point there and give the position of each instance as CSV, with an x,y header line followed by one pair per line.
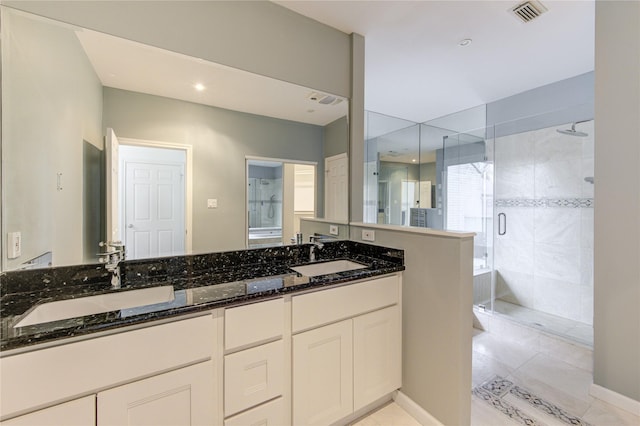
x,y
336,199
112,149
154,209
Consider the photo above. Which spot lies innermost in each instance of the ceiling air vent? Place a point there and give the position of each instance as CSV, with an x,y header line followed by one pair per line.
x,y
324,99
528,11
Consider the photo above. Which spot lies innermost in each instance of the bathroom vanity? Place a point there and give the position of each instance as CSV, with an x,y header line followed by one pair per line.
x,y
246,338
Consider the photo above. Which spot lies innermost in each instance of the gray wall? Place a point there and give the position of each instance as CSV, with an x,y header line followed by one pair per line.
x,y
221,139
557,103
436,319
256,36
51,105
336,137
617,194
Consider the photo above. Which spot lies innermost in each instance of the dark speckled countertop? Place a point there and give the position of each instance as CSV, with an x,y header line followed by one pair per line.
x,y
200,283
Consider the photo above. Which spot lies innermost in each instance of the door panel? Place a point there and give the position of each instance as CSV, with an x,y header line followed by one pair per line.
x,y
180,397
336,188
154,217
323,374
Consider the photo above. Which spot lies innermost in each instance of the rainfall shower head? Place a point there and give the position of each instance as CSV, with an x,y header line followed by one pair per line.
x,y
573,131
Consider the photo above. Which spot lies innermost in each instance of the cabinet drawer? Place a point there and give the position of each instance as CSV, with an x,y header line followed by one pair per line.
x,y
98,363
253,376
254,323
269,414
79,412
323,307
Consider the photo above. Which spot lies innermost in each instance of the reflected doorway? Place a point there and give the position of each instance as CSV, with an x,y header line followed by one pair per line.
x,y
152,201
279,194
149,196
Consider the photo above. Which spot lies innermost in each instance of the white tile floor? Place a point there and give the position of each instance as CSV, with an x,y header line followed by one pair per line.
x,y
577,331
547,368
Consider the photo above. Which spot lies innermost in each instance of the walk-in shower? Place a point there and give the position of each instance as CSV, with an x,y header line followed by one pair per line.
x,y
525,187
542,271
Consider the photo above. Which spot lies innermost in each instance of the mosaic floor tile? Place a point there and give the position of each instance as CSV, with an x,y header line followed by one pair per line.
x,y
494,391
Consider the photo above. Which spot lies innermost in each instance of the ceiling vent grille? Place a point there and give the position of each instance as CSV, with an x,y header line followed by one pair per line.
x,y
324,99
528,11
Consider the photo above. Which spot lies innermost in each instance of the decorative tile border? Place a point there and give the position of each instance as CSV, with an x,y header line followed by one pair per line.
x,y
504,407
494,390
545,202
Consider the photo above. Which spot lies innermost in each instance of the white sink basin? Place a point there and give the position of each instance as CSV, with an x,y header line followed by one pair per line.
x,y
72,308
324,268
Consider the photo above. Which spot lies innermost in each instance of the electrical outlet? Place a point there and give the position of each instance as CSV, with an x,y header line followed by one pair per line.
x,y
212,203
368,235
333,229
14,245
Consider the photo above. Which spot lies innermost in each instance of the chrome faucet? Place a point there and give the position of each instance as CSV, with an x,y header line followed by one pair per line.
x,y
111,259
316,245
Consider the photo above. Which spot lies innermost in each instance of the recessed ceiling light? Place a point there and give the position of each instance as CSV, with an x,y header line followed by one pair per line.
x,y
199,87
413,160
465,42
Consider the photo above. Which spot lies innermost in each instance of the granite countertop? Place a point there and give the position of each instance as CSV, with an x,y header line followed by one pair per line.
x,y
200,283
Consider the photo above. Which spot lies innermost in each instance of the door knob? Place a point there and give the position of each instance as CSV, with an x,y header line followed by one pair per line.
x,y
130,226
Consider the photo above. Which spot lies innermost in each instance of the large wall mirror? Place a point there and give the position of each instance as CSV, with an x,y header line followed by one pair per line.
x,y
64,89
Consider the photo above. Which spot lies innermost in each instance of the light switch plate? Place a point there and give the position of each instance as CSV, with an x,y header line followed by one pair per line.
x,y
333,229
14,245
368,235
212,203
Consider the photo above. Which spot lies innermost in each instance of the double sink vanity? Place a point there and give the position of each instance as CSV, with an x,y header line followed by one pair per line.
x,y
261,336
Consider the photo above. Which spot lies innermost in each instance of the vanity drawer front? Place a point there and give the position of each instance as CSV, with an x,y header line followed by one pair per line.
x,y
98,363
269,414
323,307
253,376
255,323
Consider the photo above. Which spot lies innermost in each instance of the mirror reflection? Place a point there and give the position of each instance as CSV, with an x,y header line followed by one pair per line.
x,y
279,195
412,169
63,87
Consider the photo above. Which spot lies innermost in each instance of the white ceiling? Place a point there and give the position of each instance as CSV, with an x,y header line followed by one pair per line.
x,y
127,65
415,69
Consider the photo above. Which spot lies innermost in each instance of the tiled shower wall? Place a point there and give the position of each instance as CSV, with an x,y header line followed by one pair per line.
x,y
544,261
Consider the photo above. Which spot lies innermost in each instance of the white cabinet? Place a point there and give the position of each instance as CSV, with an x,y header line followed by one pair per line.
x,y
43,377
253,376
180,397
79,412
252,324
345,366
377,355
322,374
269,414
314,358
254,364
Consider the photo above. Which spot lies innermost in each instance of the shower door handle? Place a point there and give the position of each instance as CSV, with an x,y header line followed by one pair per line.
x,y
502,224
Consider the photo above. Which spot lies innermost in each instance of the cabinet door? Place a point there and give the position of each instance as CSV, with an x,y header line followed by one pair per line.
x,y
79,412
377,355
180,397
323,374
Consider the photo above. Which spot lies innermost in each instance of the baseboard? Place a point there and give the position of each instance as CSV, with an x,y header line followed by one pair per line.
x,y
615,399
417,412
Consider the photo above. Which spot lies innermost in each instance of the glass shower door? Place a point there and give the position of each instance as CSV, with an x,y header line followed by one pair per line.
x,y
468,203
544,224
